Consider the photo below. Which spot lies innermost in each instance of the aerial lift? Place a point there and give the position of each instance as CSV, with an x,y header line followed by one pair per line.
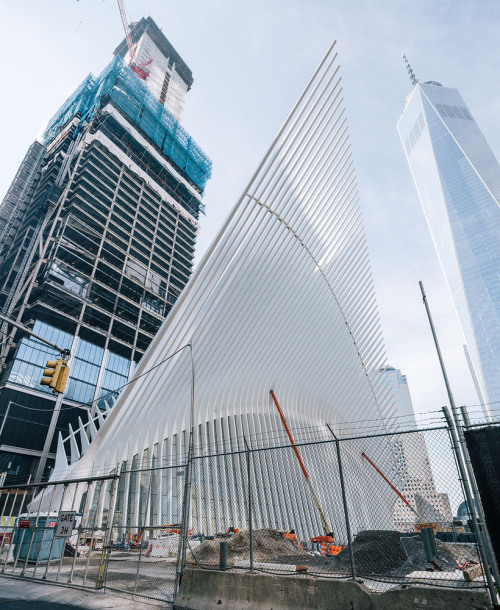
x,y
327,540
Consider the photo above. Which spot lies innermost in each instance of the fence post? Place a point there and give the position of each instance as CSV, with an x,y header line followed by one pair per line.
x,y
223,556
344,502
468,495
111,517
183,537
250,522
65,488
483,542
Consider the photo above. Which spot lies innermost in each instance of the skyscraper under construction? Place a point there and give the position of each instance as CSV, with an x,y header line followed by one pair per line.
x,y
97,235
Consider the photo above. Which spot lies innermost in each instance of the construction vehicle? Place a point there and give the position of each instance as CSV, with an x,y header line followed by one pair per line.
x,y
290,534
134,542
328,538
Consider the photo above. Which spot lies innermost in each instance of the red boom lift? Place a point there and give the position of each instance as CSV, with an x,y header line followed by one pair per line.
x,y
327,540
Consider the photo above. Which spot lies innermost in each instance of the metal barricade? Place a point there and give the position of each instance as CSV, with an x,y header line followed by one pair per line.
x,y
57,532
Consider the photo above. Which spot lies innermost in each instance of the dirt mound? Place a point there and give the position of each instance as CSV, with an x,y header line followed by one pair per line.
x,y
375,552
268,545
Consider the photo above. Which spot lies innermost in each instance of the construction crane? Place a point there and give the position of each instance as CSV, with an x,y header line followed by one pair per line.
x,y
142,69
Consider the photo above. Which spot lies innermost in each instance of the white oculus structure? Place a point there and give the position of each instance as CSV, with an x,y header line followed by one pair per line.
x,y
283,300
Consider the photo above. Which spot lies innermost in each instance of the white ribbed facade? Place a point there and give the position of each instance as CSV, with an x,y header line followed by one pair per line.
x,y
282,300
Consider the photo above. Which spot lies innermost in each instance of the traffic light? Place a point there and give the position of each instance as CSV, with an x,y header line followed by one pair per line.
x,y
62,378
56,375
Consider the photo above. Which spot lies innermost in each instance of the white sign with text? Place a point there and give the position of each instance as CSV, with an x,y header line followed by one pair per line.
x,y
66,523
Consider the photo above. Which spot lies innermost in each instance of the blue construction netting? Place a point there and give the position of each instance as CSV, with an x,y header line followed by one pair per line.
x,y
131,94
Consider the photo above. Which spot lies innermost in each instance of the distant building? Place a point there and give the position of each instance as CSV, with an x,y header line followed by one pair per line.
x,y
412,463
458,181
97,236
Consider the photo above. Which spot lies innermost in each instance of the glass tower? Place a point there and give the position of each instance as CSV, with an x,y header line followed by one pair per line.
x,y
458,181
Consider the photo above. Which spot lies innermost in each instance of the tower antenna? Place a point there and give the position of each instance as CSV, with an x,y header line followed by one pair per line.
x,y
413,78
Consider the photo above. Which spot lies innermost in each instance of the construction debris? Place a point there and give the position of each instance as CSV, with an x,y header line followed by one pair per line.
x,y
450,556
378,552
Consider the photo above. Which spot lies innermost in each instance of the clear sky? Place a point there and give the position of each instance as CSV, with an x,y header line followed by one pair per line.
x,y
250,62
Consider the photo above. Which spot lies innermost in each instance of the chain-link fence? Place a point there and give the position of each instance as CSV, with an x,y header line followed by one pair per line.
x,y
381,508
384,508
146,531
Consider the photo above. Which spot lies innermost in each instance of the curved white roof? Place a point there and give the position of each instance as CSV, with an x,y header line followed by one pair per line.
x,y
282,300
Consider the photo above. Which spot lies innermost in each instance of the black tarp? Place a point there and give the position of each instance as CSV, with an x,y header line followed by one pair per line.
x,y
484,450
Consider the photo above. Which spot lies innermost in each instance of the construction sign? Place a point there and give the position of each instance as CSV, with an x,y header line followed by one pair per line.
x,y
66,523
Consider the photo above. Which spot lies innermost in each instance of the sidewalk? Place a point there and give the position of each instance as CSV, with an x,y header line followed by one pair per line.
x,y
16,594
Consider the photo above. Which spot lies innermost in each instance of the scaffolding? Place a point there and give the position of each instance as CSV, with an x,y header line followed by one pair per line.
x,y
146,112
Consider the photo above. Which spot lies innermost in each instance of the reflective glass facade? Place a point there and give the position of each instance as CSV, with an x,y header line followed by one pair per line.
x,y
458,182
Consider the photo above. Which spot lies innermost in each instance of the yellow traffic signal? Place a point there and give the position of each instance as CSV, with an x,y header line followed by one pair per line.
x,y
51,373
62,378
56,375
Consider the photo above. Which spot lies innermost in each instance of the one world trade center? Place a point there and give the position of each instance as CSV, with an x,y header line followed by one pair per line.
x,y
458,181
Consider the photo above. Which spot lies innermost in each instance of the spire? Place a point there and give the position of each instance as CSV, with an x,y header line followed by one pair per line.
x,y
413,78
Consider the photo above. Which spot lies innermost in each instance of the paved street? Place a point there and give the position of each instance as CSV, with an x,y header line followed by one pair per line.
x,y
16,593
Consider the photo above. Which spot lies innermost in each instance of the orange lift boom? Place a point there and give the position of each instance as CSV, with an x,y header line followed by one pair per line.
x,y
324,521
392,486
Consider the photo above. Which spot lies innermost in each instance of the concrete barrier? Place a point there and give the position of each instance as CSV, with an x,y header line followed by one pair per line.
x,y
207,589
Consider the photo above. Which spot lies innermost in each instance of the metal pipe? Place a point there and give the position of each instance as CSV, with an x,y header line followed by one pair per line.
x,y
475,524
35,529
14,529
181,555
436,343
44,577
23,534
103,570
55,483
6,414
344,501
475,493
250,524
30,332
45,528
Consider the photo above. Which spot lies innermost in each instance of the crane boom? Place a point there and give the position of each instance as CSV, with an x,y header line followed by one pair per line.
x,y
128,37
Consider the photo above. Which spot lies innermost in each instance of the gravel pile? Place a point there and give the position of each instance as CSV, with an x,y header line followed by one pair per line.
x,y
375,552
